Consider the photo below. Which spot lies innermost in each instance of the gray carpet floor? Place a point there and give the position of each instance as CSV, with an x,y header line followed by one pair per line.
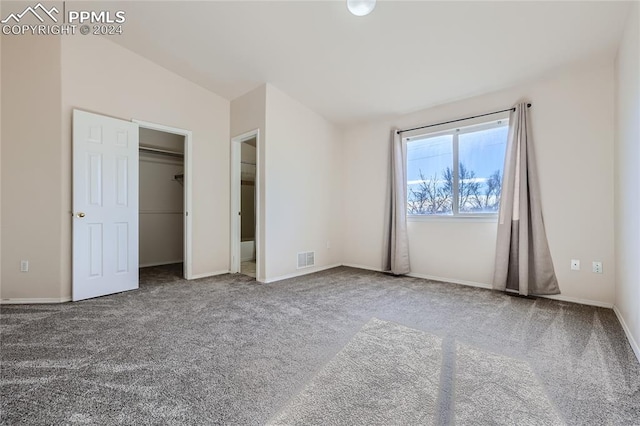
x,y
343,346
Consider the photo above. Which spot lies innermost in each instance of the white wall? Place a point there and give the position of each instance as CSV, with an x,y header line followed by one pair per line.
x,y
627,180
32,208
573,130
303,166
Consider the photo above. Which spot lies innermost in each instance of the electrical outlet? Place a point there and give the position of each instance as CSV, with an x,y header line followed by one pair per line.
x,y
328,244
575,264
24,266
597,267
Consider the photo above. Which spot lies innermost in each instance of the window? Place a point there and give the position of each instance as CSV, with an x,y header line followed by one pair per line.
x,y
457,172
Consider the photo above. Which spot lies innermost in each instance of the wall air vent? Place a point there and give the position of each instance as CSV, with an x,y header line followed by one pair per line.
x,y
306,259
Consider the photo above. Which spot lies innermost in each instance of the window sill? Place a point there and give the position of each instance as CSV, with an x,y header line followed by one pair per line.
x,y
484,218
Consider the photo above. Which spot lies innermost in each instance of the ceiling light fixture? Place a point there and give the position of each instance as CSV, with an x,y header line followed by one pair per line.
x,y
361,7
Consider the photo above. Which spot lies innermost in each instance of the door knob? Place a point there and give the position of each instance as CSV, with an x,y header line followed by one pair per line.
x,y
80,214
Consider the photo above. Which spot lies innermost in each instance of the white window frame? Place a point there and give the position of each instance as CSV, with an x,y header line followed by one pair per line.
x,y
455,131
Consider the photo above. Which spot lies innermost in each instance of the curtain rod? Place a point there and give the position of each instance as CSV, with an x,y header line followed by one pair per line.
x,y
459,119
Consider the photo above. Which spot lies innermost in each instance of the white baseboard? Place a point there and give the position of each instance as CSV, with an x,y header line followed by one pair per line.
x,y
424,276
300,273
170,262
34,301
367,268
208,274
627,331
562,298
489,287
451,280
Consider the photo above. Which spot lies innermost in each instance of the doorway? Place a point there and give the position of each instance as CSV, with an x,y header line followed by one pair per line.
x,y
248,157
245,201
161,200
165,198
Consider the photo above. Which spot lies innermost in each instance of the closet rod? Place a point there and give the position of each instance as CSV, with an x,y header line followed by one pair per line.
x,y
161,151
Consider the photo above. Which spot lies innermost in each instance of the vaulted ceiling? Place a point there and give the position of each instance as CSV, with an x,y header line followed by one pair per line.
x,y
405,56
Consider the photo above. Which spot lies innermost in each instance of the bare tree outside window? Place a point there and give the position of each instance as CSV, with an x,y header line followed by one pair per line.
x,y
430,182
434,195
431,195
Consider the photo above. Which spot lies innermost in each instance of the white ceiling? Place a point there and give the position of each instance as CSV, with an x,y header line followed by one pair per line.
x,y
405,56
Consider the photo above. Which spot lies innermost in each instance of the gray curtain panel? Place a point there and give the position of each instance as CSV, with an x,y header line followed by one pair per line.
x,y
523,260
396,243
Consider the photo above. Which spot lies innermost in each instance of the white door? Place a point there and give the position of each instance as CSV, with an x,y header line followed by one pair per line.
x,y
105,205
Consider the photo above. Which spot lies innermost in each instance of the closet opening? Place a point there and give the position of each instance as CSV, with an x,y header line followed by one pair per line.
x,y
163,182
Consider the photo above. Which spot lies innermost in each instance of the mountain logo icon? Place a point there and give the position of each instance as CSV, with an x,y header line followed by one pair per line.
x,y
38,11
